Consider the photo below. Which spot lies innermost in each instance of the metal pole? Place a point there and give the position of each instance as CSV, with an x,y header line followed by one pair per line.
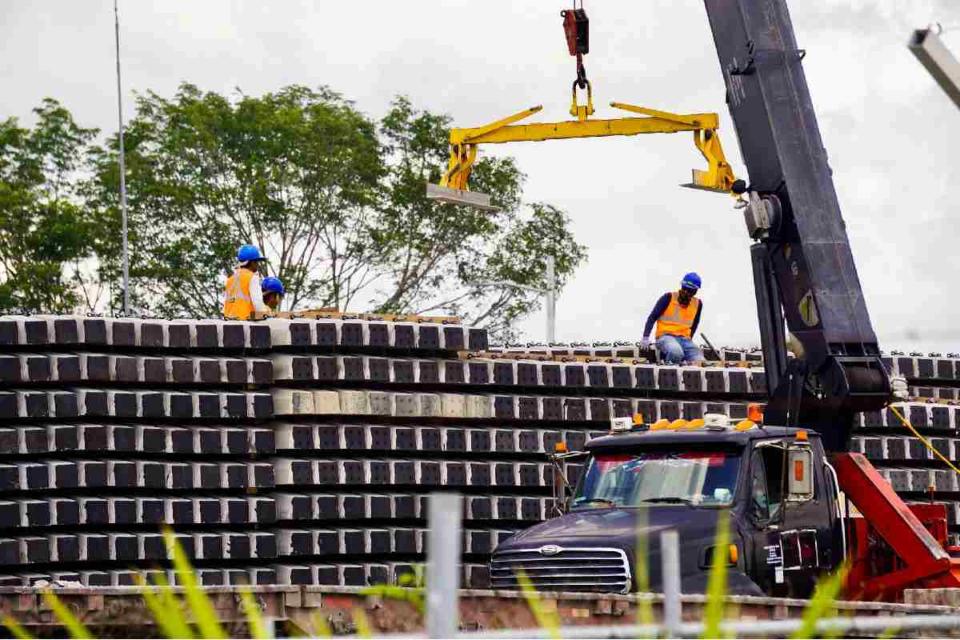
x,y
443,565
854,627
938,60
123,170
670,563
551,295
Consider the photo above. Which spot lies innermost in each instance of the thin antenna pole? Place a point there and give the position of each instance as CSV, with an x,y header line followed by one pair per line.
x,y
123,171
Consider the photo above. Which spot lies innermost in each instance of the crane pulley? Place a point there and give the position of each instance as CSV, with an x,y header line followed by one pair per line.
x,y
576,27
464,142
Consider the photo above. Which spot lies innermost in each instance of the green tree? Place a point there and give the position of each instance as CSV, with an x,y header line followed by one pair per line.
x,y
441,257
293,172
46,233
336,201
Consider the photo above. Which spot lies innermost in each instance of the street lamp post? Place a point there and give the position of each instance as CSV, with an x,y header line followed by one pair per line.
x,y
551,300
549,293
123,169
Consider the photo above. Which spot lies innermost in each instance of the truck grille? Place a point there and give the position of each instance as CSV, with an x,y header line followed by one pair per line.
x,y
552,568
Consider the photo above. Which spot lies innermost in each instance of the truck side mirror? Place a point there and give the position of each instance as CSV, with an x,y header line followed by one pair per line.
x,y
562,490
799,474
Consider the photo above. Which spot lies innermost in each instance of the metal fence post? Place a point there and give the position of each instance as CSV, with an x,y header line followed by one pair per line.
x,y
670,562
443,565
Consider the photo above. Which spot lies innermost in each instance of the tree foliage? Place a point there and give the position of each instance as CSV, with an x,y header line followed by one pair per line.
x,y
46,234
335,199
292,172
455,259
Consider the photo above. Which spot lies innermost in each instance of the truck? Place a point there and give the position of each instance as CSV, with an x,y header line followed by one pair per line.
x,y
785,527
797,501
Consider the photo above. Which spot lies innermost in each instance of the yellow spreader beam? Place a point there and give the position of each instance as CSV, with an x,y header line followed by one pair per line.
x,y
454,186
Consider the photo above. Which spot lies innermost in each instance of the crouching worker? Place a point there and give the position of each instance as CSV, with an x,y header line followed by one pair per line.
x,y
273,292
677,315
243,296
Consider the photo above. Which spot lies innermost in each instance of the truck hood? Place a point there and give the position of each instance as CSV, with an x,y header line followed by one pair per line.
x,y
618,528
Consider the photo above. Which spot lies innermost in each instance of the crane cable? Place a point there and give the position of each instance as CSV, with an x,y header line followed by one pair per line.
x,y
925,442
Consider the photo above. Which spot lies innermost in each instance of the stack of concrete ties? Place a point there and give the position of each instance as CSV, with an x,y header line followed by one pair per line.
x,y
110,428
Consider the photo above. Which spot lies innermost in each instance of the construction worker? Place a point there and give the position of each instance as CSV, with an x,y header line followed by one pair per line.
x,y
273,292
243,295
677,315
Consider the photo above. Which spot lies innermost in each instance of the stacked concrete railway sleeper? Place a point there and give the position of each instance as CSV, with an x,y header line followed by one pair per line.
x,y
110,428
933,367
302,451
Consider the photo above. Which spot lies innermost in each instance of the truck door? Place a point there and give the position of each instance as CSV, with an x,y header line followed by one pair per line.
x,y
791,526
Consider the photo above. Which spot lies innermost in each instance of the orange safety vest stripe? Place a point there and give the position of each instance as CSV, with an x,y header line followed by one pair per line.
x,y
237,303
677,320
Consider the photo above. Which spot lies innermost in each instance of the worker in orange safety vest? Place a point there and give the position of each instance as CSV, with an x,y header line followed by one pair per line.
x,y
243,295
677,316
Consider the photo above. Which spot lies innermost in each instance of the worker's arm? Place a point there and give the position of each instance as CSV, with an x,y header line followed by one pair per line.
x,y
256,295
658,310
696,320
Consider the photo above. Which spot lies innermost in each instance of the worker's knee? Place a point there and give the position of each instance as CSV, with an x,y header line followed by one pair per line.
x,y
670,350
691,352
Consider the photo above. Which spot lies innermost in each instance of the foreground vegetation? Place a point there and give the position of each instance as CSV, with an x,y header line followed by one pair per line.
x,y
189,612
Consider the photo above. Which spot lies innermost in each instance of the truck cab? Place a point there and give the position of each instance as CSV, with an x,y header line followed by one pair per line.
x,y
773,484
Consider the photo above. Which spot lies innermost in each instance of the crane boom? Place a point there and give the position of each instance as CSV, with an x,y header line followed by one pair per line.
x,y
804,271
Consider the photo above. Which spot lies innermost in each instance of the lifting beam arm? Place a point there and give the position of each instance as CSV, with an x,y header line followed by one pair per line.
x,y
463,142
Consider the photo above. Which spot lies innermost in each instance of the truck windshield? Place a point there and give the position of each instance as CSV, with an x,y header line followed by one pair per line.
x,y
706,478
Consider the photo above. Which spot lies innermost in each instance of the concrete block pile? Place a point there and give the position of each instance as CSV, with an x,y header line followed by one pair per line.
x,y
302,451
110,428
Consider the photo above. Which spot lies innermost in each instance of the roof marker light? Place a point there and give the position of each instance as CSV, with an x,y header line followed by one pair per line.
x,y
716,421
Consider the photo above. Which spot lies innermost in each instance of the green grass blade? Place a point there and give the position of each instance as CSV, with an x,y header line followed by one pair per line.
x,y
321,628
362,623
256,624
167,612
63,614
204,615
172,602
822,604
546,619
642,571
15,628
717,581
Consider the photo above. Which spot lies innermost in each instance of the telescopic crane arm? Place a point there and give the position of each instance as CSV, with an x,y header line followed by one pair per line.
x,y
803,267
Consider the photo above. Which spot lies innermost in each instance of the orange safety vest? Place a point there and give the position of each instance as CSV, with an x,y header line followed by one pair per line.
x,y
677,320
237,303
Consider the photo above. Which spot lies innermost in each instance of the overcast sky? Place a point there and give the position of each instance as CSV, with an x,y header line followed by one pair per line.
x,y
891,134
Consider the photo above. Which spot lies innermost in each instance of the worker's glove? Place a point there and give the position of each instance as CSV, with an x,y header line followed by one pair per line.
x,y
645,343
898,385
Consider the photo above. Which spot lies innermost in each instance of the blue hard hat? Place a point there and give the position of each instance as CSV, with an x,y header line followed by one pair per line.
x,y
690,281
249,253
272,284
